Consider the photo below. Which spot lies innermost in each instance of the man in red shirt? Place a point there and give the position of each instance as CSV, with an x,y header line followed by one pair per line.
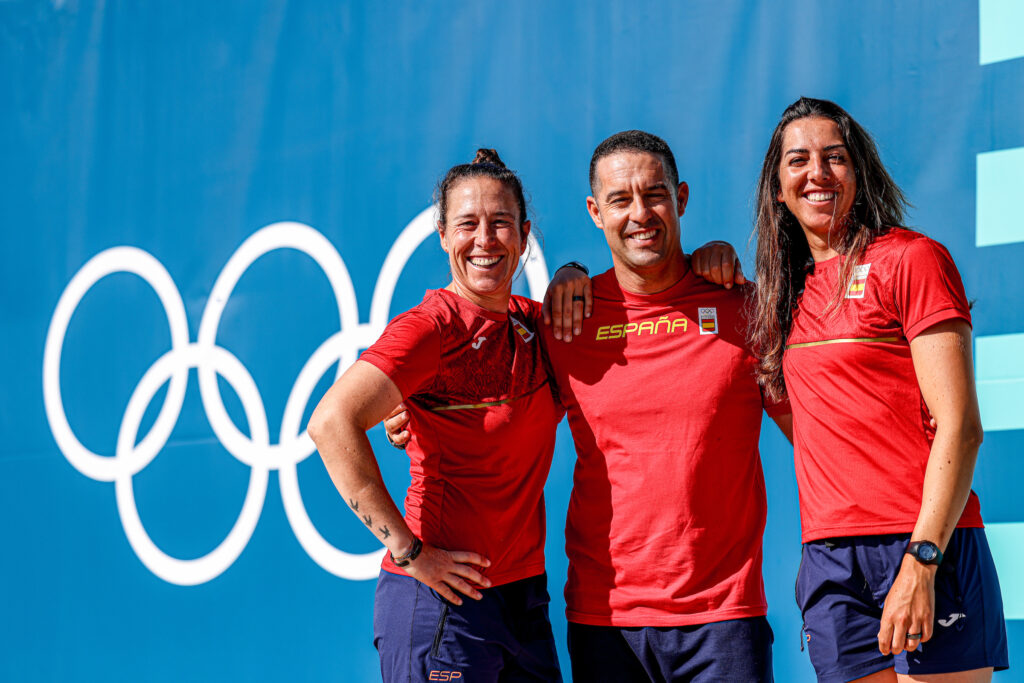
x,y
668,504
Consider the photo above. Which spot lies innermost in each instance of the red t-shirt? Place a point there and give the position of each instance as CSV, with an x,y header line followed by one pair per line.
x,y
482,419
668,501
861,427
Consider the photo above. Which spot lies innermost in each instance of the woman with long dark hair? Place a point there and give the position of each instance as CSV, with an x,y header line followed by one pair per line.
x,y
864,324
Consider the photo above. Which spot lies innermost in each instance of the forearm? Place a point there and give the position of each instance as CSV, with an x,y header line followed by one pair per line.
x,y
353,468
947,481
942,361
356,402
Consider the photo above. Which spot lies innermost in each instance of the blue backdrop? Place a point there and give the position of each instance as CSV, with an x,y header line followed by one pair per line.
x,y
178,530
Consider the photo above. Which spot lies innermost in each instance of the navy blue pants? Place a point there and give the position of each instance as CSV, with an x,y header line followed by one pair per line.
x,y
841,589
736,650
505,636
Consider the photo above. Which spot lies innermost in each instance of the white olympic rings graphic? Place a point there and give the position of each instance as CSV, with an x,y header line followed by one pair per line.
x,y
211,360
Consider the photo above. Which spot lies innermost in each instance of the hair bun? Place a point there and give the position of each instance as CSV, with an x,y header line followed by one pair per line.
x,y
488,156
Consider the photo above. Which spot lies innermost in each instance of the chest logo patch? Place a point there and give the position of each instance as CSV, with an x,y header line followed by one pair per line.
x,y
478,342
708,320
859,282
526,334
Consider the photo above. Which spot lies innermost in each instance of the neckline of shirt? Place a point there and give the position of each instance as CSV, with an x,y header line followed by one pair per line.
x,y
615,291
468,306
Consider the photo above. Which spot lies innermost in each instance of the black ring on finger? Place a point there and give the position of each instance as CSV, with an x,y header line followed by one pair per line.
x,y
578,297
399,446
914,636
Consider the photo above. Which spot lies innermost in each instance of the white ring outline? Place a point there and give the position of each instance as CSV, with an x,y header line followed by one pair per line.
x,y
118,259
209,360
209,566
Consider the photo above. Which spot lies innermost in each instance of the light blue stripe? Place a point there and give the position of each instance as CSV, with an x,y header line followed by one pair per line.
x,y
1000,357
999,365
1000,178
1000,30
1001,403
1007,544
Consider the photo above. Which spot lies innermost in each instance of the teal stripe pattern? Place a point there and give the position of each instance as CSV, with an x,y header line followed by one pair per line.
x,y
1000,30
1000,184
999,364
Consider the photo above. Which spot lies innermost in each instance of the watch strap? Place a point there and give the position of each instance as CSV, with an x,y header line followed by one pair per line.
x,y
914,550
574,264
414,552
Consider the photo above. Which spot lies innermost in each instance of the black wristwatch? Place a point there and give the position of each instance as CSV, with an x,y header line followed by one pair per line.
x,y
574,264
412,554
925,552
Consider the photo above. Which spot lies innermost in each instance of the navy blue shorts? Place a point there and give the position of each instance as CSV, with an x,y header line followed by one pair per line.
x,y
841,589
505,636
732,650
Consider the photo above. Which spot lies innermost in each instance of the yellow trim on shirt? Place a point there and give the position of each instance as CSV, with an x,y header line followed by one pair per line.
x,y
488,404
841,341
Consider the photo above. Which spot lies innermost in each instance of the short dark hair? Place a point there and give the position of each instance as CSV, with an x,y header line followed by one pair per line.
x,y
635,141
485,163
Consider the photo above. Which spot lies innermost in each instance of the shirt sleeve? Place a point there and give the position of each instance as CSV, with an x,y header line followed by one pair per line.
x,y
927,288
532,311
408,352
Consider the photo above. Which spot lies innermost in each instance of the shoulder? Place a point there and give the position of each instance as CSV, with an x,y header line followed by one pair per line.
x,y
900,243
606,286
732,298
907,249
421,320
524,306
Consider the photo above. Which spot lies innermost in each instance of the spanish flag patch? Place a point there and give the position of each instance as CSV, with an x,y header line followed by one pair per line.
x,y
708,318
859,282
526,334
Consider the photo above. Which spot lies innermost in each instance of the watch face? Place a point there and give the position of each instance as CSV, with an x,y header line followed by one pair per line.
x,y
926,551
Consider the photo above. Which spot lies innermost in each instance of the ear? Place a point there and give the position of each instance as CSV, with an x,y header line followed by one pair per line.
x,y
682,197
444,240
778,195
525,230
595,213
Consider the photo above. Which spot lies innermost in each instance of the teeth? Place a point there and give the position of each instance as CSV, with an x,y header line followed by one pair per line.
x,y
821,196
643,235
484,261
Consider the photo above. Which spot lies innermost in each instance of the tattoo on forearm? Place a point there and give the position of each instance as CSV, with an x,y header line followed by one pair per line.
x,y
384,531
354,504
367,521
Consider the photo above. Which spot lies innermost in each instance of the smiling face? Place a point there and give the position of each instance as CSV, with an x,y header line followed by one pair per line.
x,y
817,181
484,240
638,210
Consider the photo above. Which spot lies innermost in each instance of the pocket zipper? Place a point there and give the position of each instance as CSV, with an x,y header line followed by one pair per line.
x,y
440,631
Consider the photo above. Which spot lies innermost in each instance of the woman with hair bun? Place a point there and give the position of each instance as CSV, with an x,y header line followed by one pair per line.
x,y
468,365
866,327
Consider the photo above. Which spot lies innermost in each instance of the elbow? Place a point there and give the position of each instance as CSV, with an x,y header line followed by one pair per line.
x,y
319,424
331,422
969,433
974,434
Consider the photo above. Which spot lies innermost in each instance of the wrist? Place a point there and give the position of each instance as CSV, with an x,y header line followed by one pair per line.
x,y
410,553
574,264
912,567
925,553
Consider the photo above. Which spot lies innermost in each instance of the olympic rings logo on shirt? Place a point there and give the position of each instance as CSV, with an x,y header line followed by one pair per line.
x,y
211,360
